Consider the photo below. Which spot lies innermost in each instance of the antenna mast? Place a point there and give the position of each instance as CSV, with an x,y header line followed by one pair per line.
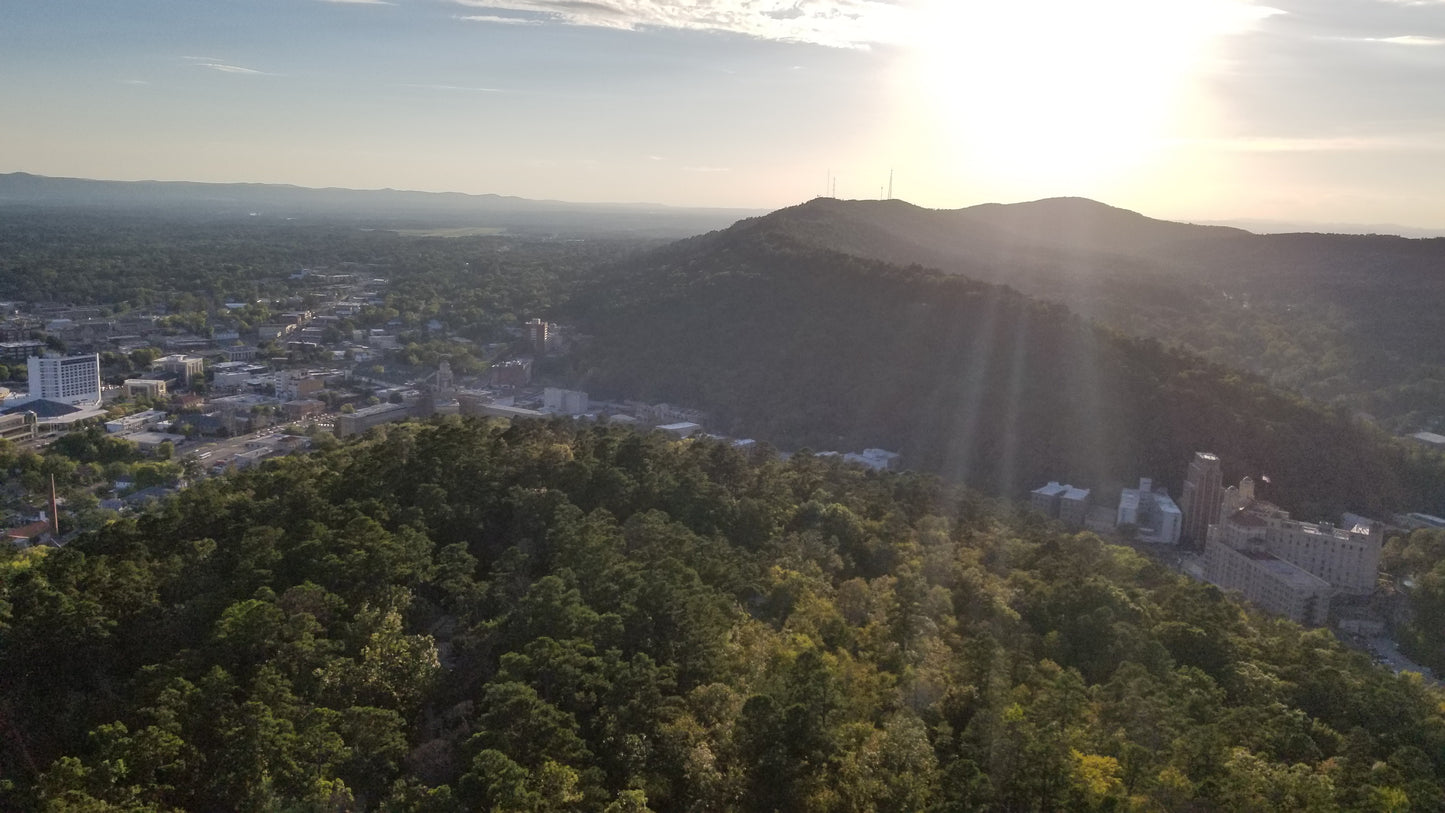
x,y
890,184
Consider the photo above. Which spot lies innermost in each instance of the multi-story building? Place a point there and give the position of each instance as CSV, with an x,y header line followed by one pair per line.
x,y
73,380
239,352
1348,559
12,352
1151,511
190,369
1045,498
565,402
1267,581
1201,498
152,388
1061,501
17,426
1074,506
539,334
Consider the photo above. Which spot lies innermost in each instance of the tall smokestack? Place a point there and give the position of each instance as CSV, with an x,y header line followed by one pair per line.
x,y
54,512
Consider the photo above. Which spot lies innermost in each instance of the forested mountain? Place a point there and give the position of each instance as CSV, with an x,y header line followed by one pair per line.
x,y
1351,319
546,617
377,207
801,346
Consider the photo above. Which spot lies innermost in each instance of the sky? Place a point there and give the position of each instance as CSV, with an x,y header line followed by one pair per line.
x,y
1312,111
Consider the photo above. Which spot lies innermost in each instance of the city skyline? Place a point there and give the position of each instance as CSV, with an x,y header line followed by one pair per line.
x,y
1198,110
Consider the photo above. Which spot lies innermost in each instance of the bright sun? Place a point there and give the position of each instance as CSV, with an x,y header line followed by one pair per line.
x,y
1062,92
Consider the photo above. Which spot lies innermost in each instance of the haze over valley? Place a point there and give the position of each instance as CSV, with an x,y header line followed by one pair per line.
x,y
750,405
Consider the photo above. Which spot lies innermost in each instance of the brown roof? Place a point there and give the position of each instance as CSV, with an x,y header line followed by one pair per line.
x,y
30,531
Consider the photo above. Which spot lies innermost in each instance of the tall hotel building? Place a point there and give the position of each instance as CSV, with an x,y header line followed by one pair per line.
x,y
1200,501
73,380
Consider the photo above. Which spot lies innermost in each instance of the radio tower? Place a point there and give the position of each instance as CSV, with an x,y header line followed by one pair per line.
x,y
890,184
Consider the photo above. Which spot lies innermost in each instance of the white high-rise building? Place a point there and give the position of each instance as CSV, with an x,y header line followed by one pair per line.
x,y
1151,511
73,380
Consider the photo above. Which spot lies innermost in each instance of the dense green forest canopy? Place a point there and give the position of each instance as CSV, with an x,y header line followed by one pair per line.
x,y
804,347
193,266
548,616
1351,320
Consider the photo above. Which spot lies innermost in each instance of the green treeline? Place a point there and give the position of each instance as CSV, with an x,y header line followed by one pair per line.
x,y
805,347
475,616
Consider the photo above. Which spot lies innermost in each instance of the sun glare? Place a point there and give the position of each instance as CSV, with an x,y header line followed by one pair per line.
x,y
1060,93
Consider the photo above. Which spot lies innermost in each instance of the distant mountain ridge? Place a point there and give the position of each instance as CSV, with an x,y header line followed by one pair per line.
x,y
373,205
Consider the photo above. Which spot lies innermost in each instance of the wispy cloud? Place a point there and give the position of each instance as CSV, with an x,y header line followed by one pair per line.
x,y
837,23
215,64
362,2
133,82
1410,40
224,68
498,19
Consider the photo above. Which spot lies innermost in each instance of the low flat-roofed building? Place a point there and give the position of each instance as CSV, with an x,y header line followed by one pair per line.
x,y
18,426
150,441
152,388
876,459
496,410
134,422
1416,520
682,429
361,420
295,410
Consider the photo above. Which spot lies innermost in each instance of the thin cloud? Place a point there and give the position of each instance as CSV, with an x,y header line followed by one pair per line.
x,y
1410,40
224,68
361,2
215,64
133,82
835,23
498,19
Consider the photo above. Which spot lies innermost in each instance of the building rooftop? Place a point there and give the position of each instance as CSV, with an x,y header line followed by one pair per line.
x,y
1051,489
1286,572
1245,519
378,409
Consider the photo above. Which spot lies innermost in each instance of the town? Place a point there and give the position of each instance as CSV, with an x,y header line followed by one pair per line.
x,y
282,375
257,381
1313,573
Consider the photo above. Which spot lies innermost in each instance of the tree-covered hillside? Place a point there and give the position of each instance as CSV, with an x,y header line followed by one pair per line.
x,y
473,616
1351,320
800,346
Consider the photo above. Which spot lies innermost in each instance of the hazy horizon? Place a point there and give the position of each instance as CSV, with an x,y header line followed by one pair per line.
x,y
1207,110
